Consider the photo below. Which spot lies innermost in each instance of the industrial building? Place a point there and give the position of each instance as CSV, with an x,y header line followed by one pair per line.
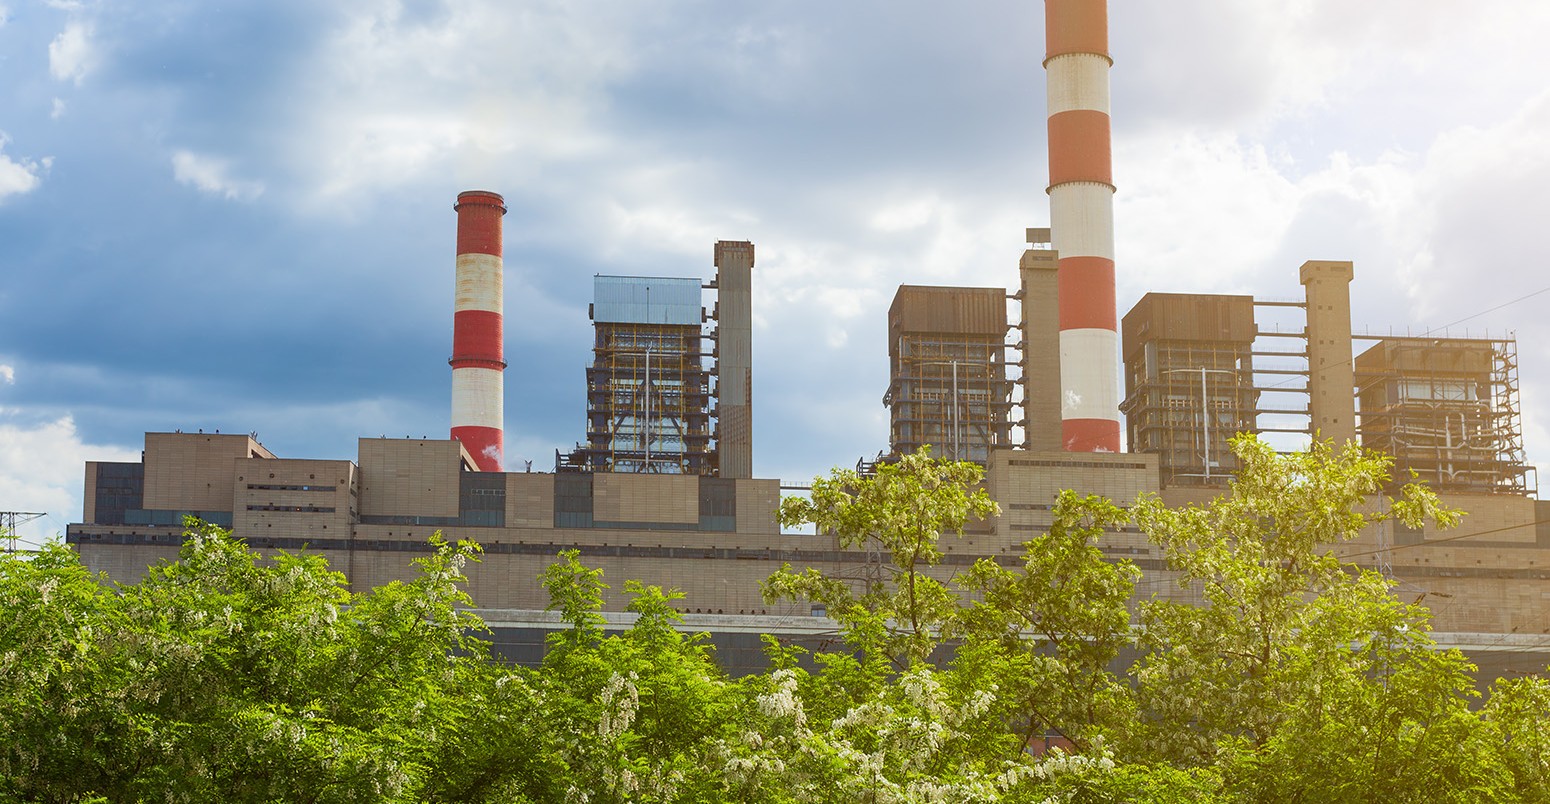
x,y
660,487
947,367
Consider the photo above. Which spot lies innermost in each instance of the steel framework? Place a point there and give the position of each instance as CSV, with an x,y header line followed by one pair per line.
x,y
648,402
952,393
1187,400
1447,409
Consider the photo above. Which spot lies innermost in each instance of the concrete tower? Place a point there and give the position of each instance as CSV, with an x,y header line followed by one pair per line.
x,y
1331,370
1039,272
478,355
734,361
1081,190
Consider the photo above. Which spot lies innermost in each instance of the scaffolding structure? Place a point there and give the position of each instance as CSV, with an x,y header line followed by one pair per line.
x,y
1447,410
1189,381
648,388
948,385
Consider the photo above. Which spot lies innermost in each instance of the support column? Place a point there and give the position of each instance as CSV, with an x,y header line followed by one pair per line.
x,y
734,365
1331,372
1039,274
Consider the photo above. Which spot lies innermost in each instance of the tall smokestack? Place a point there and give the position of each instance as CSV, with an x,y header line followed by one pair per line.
x,y
1081,191
478,355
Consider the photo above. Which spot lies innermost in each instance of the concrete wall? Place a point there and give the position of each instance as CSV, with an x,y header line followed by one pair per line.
x,y
410,476
289,497
1331,373
657,499
194,471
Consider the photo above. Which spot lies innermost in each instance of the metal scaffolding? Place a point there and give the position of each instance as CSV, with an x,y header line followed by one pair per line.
x,y
948,385
648,388
951,394
1190,383
1447,409
1186,401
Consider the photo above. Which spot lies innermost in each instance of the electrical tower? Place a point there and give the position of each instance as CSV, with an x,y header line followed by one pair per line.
x,y
10,521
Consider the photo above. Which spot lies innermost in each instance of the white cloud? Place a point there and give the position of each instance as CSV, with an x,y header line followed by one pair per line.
x,y
8,374
17,177
5,14
58,109
73,54
398,99
41,470
211,175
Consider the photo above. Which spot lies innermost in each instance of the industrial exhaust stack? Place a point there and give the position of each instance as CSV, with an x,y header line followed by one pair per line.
x,y
478,352
1081,196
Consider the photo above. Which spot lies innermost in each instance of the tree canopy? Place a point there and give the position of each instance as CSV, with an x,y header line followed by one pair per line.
x,y
1277,672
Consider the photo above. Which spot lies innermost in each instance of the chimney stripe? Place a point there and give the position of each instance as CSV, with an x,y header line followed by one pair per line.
x,y
479,223
1082,220
485,444
476,397
1076,26
1086,369
1081,138
1078,81
1083,300
1090,435
479,283
481,333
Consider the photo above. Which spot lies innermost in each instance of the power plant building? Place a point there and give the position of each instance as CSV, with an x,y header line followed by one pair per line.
x,y
661,489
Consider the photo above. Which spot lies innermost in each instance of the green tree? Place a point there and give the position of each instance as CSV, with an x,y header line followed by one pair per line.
x,y
1046,633
1300,674
904,510
1517,720
220,677
637,715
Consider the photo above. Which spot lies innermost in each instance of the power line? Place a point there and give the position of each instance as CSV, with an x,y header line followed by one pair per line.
x,y
1431,331
1492,310
1430,542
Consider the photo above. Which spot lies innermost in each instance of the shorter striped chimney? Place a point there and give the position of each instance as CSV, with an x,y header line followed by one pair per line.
x,y
478,355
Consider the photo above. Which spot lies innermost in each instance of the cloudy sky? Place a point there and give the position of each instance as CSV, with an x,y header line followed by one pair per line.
x,y
237,214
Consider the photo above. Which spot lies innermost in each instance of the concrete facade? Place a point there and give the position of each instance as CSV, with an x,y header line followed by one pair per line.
x,y
717,539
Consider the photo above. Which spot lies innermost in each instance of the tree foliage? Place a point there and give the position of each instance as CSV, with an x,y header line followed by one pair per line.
x,y
1277,673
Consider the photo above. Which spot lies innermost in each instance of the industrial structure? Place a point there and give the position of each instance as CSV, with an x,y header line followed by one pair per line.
x,y
648,388
478,330
662,488
948,385
1081,213
1446,409
655,372
1189,382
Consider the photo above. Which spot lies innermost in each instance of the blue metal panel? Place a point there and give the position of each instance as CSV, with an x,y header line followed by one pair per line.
x,y
645,300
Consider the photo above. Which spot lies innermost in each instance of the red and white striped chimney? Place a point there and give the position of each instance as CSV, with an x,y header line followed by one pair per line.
x,y
1081,196
478,352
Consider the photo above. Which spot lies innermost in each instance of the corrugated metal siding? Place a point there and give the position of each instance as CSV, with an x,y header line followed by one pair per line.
x,y
978,311
1188,317
645,300
1442,356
